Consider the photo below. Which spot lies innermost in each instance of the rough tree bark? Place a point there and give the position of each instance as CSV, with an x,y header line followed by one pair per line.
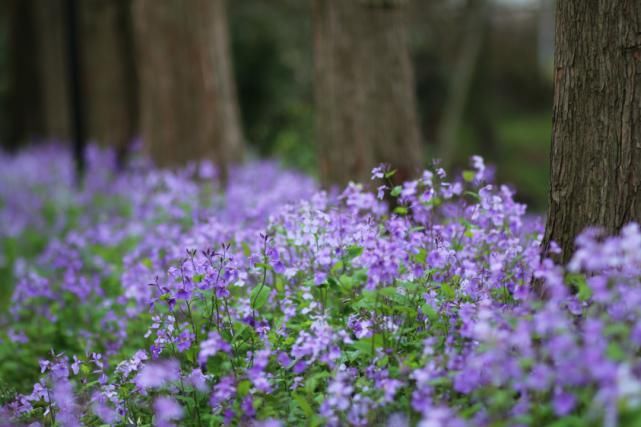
x,y
188,99
110,76
366,106
596,140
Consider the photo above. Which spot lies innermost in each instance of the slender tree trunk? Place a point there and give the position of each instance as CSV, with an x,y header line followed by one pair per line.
x,y
596,139
480,103
474,31
53,76
110,75
189,109
366,106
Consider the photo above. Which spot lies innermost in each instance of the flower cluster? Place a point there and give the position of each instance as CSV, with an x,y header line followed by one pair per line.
x,y
163,298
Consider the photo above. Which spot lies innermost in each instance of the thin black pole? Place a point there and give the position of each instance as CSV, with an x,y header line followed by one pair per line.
x,y
75,88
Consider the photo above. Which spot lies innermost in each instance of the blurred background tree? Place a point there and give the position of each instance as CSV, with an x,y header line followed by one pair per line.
x,y
365,97
107,39
188,94
481,76
22,97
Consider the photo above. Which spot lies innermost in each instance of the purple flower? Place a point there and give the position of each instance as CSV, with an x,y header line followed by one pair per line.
x,y
64,399
212,346
320,277
283,359
223,391
184,340
433,300
379,171
156,375
75,366
198,380
563,402
257,374
167,409
247,406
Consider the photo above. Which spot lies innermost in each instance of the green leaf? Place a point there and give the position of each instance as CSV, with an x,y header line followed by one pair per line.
x,y
337,267
312,382
333,282
617,329
469,175
263,266
405,309
396,191
259,296
400,210
316,421
615,352
420,257
383,361
188,400
390,173
246,250
409,286
367,301
354,251
429,311
360,275
569,421
473,195
578,281
243,388
388,292
352,355
280,284
364,345
447,291
346,281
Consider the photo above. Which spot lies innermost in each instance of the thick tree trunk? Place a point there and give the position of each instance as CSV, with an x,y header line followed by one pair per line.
x,y
596,142
366,106
23,104
188,100
110,76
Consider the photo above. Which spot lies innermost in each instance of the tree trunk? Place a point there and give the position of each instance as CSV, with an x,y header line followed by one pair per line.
x,y
596,138
110,76
23,103
53,69
475,28
479,110
188,99
366,106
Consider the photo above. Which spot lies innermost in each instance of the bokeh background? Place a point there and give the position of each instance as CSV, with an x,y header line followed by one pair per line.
x,y
482,68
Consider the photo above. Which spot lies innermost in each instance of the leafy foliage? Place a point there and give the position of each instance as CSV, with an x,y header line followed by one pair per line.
x,y
152,297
